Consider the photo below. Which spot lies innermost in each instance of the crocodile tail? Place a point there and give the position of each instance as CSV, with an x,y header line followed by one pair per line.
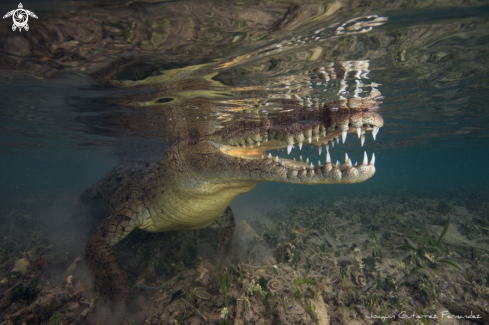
x,y
110,278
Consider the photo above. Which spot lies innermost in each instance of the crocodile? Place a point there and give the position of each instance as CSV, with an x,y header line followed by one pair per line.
x,y
192,186
260,104
204,169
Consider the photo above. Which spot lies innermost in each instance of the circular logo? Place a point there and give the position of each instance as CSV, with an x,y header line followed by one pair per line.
x,y
20,18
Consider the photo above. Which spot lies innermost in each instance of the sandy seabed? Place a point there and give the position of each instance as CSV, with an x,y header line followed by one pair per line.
x,y
401,259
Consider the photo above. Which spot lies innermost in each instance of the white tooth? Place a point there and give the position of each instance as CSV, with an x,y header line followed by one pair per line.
x,y
365,159
372,161
359,132
294,166
310,140
258,143
356,163
332,143
276,159
327,146
317,138
251,146
307,160
362,139
349,162
337,163
266,139
269,155
300,145
338,140
346,158
328,158
343,136
289,148
262,156
374,132
319,163
320,149
294,159
283,163
300,158
324,133
312,165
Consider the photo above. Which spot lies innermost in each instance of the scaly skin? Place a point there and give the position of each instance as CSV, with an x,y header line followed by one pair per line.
x,y
193,185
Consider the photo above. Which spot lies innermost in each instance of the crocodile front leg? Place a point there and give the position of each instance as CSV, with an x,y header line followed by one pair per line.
x,y
110,278
227,224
